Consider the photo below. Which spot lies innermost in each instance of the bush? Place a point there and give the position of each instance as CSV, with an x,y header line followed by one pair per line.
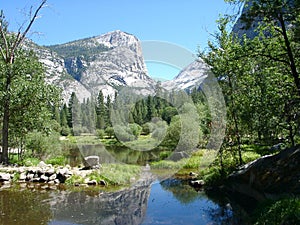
x,y
58,160
65,131
100,133
135,129
122,134
284,211
110,132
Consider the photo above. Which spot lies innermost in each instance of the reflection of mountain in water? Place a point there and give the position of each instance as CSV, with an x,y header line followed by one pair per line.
x,y
122,207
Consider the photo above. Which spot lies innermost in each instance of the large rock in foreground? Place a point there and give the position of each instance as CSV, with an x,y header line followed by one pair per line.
x,y
269,177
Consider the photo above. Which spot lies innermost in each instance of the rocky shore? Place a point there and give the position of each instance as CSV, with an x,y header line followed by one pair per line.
x,y
44,173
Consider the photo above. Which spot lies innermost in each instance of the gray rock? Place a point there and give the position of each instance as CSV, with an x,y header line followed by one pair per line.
x,y
197,183
102,182
176,156
29,176
53,177
4,177
44,178
92,182
22,176
42,164
92,161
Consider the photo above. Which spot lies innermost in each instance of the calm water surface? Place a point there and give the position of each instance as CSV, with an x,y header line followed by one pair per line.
x,y
170,201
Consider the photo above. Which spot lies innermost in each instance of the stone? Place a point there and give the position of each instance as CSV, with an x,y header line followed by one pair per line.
x,y
29,176
53,177
272,175
56,181
197,183
102,182
92,182
44,178
4,177
22,176
51,182
42,164
192,174
176,156
91,161
50,171
63,171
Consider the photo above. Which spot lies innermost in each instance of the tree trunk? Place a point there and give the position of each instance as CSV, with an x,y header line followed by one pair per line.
x,y
290,54
5,125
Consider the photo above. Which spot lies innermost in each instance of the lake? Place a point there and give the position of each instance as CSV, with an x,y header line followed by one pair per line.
x,y
169,201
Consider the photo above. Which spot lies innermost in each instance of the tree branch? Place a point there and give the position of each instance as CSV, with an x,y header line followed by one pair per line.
x,y
20,39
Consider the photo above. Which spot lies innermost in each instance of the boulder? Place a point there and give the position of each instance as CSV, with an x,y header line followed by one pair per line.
x,y
22,176
268,177
176,156
4,177
92,162
53,177
197,183
92,182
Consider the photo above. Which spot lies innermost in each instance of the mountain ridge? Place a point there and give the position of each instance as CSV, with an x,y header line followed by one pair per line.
x,y
106,62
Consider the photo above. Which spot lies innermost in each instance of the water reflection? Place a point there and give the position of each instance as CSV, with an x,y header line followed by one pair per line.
x,y
170,201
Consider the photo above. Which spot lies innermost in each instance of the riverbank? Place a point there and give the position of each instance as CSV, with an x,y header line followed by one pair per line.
x,y
106,174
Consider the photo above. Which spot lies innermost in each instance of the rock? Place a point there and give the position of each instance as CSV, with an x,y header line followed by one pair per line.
x,y
4,177
29,176
197,183
91,162
63,171
50,171
22,176
44,178
53,177
57,181
92,182
42,164
192,174
51,182
176,156
102,182
268,176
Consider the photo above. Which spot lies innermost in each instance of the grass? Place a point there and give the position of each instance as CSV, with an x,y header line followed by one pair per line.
x,y
112,174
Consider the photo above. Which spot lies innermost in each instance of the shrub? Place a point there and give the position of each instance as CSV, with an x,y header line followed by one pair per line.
x,y
284,211
100,133
58,160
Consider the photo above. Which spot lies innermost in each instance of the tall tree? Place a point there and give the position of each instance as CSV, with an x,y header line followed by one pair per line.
x,y
10,48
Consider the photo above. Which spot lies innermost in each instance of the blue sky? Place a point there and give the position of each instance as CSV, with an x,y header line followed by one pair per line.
x,y
186,23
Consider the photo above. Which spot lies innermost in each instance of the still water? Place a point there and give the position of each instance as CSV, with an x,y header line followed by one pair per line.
x,y
169,201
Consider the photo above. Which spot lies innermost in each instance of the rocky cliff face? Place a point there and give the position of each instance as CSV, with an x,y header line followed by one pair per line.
x,y
106,63
189,78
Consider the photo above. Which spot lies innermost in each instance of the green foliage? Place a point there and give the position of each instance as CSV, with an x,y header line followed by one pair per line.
x,y
74,179
57,160
284,211
119,174
42,145
30,161
110,131
100,133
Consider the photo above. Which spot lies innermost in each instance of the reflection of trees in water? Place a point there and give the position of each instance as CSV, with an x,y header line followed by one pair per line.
x,y
227,211
24,207
181,190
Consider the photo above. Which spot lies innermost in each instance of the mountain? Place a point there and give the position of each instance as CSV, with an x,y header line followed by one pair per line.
x,y
56,73
190,77
106,62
